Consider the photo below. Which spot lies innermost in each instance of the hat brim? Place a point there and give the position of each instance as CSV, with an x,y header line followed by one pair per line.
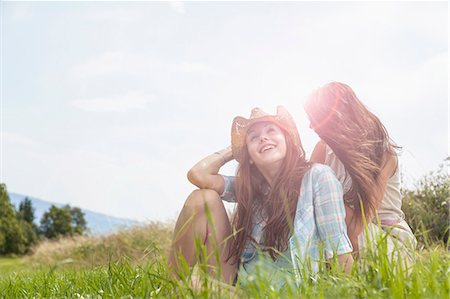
x,y
241,125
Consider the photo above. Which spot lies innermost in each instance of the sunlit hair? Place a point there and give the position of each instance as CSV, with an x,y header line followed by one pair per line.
x,y
279,202
356,136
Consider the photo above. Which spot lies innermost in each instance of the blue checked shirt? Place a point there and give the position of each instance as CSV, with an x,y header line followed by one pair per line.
x,y
320,231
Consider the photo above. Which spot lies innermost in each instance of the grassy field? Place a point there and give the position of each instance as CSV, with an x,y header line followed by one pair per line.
x,y
131,264
10,264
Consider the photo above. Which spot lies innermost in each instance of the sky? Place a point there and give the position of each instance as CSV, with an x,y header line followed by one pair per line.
x,y
107,105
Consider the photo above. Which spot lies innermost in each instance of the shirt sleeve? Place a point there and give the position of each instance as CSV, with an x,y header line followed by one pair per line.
x,y
228,189
329,213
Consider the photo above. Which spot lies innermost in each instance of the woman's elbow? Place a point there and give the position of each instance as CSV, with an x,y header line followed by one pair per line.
x,y
195,178
192,176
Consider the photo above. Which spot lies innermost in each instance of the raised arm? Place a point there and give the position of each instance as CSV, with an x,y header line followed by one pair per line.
x,y
205,175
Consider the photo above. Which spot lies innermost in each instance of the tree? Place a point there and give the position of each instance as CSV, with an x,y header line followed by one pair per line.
x,y
79,224
25,216
65,221
427,208
30,234
56,222
26,210
12,238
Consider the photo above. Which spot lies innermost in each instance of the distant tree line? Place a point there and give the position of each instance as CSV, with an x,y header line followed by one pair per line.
x,y
18,232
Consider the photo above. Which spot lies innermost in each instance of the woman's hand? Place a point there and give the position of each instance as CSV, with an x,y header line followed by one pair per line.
x,y
346,262
205,175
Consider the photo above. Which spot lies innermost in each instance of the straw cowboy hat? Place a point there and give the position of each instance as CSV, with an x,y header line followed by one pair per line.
x,y
241,124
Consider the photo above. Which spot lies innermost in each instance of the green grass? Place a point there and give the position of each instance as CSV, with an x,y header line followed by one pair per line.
x,y
140,271
11,264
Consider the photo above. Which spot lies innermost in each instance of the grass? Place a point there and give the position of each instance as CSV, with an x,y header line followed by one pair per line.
x,y
137,244
132,264
10,264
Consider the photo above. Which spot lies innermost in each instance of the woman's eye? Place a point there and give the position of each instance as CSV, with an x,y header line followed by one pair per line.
x,y
252,138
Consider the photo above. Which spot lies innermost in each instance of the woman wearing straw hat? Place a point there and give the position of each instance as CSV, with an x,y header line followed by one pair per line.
x,y
287,209
356,145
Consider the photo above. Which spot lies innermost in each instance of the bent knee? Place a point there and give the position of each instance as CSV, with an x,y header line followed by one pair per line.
x,y
201,197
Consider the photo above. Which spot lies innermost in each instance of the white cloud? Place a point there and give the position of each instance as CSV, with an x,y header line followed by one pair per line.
x,y
107,63
13,138
115,15
178,6
192,67
120,63
131,101
116,63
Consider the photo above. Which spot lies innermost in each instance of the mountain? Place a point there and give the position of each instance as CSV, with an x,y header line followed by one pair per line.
x,y
97,223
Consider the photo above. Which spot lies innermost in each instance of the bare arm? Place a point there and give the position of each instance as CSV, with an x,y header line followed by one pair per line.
x,y
318,154
387,171
205,175
354,227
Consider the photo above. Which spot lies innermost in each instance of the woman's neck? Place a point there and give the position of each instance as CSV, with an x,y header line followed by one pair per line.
x,y
270,172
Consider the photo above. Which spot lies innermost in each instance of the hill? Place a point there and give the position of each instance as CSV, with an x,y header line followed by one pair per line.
x,y
97,223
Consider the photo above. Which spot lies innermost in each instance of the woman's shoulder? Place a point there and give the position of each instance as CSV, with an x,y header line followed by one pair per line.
x,y
318,170
390,165
322,184
319,153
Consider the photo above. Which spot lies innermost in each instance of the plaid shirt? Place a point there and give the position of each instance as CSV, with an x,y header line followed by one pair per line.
x,y
320,231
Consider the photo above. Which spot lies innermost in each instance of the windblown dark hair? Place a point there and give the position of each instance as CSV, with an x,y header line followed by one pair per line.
x,y
278,203
357,137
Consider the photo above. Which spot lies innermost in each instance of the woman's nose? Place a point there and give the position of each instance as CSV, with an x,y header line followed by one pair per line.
x,y
263,138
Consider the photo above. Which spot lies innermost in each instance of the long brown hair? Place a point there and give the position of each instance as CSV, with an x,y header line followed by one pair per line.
x,y
356,136
279,202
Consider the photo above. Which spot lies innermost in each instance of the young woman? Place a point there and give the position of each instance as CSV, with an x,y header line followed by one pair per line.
x,y
287,209
356,145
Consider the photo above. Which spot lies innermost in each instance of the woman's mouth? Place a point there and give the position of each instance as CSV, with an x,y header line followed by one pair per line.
x,y
267,147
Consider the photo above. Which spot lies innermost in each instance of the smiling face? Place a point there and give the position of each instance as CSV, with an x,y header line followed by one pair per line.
x,y
266,145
